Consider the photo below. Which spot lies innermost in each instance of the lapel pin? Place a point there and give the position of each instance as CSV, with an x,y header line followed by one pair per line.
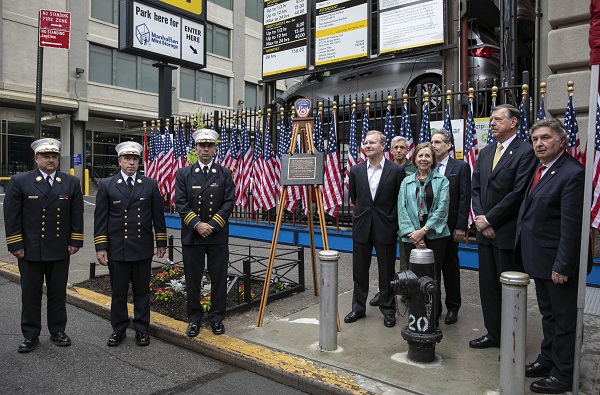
x,y
38,178
119,181
139,181
57,179
214,171
197,170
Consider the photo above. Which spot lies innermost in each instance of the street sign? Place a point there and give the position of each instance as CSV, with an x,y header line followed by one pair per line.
x,y
54,38
57,20
54,29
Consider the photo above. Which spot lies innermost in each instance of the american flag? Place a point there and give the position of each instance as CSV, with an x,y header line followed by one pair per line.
x,y
425,131
257,170
352,149
149,168
596,201
448,128
283,146
224,154
234,150
270,184
179,158
365,130
390,133
244,171
572,128
191,143
332,185
471,151
294,193
318,134
167,165
523,129
490,136
406,132
159,158
542,111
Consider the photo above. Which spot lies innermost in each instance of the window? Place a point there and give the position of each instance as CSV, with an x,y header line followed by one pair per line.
x,y
223,3
111,67
105,10
205,87
252,95
255,9
217,40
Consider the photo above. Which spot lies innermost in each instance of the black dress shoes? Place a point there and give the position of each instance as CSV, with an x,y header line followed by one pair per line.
x,y
375,300
353,316
60,339
484,342
451,318
193,329
28,344
217,327
116,338
389,320
550,385
142,338
535,369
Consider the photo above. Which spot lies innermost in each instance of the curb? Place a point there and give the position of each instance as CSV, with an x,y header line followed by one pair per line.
x,y
300,373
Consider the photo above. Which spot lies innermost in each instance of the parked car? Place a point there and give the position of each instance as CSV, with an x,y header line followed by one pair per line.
x,y
402,74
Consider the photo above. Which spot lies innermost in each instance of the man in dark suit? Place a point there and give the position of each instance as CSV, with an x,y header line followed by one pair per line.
x,y
458,174
499,182
43,218
374,186
128,206
204,200
548,244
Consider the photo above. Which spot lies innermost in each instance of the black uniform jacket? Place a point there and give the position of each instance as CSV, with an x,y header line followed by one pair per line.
x,y
123,219
208,199
41,219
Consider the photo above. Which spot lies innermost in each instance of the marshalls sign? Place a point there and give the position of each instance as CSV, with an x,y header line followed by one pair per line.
x,y
161,34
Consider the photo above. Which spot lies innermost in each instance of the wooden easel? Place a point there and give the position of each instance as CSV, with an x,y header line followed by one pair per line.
x,y
307,146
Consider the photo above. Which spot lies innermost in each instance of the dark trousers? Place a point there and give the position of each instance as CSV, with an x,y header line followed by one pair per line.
x,y
451,274
438,246
558,305
32,281
194,262
138,273
492,262
361,262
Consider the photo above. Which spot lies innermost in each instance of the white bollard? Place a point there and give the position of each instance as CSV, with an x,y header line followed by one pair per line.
x,y
328,300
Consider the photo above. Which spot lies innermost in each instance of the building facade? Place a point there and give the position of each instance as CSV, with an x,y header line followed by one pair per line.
x,y
95,97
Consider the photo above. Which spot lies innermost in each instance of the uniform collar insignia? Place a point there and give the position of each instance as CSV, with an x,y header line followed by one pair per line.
x,y
119,181
38,178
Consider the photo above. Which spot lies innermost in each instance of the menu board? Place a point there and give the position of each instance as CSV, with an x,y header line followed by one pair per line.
x,y
341,31
285,36
405,24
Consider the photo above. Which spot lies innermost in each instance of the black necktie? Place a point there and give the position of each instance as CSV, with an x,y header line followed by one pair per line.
x,y
205,170
49,180
130,182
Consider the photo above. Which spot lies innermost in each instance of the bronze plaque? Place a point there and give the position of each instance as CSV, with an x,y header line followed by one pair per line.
x,y
302,169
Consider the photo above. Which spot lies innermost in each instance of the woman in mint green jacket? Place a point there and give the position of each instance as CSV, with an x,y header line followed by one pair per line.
x,y
423,211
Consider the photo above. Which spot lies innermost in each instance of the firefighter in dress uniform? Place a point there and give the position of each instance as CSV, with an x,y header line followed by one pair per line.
x,y
43,218
204,199
128,206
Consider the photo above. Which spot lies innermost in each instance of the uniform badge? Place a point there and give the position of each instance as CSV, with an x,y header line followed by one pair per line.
x,y
116,202
214,171
197,170
32,197
139,181
214,185
119,181
38,178
58,179
63,197
196,186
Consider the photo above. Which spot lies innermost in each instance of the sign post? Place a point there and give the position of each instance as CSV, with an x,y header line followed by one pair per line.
x,y
54,28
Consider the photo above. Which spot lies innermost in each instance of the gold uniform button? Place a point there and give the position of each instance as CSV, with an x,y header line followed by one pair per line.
x,y
139,223
125,230
42,236
125,236
43,229
139,216
57,235
139,209
57,222
57,228
211,203
57,215
139,237
125,223
210,209
44,210
125,210
125,217
43,223
139,230
209,215
199,196
43,216
211,195
58,209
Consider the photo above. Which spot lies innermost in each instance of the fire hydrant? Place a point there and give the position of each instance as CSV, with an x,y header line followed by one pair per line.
x,y
418,286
